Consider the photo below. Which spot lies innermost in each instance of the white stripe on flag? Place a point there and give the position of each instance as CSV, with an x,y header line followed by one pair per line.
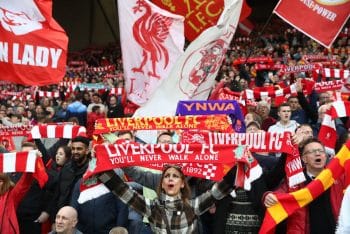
x,y
337,73
279,92
35,132
264,95
51,131
9,162
81,130
67,131
31,159
254,173
327,121
249,94
339,108
327,72
293,89
346,73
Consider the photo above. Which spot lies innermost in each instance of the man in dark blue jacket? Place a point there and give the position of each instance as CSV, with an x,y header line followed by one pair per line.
x,y
99,215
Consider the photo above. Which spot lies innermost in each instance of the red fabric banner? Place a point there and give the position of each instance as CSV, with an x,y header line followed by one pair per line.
x,y
199,15
201,159
33,46
205,122
322,20
10,131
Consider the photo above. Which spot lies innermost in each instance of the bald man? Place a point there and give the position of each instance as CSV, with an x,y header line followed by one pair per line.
x,y
66,220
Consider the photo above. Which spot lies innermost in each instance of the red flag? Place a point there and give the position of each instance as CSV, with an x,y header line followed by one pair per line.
x,y
199,15
246,27
33,46
322,20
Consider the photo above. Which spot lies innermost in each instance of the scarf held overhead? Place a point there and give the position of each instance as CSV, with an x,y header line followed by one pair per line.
x,y
208,161
57,131
24,162
256,142
228,107
206,122
130,154
121,155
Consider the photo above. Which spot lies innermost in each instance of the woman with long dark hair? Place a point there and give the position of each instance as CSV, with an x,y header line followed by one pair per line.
x,y
172,211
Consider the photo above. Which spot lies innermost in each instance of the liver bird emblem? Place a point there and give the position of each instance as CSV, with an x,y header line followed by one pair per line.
x,y
150,31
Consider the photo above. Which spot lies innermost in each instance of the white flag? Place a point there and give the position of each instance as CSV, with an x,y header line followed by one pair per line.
x,y
193,75
151,39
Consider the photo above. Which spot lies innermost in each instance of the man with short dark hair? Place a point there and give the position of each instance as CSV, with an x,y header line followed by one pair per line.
x,y
285,124
71,172
165,138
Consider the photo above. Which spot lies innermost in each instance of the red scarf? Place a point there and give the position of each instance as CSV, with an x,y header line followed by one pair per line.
x,y
205,122
67,131
257,142
328,133
200,160
24,162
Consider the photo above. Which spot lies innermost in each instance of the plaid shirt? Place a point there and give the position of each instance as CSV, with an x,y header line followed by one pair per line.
x,y
178,215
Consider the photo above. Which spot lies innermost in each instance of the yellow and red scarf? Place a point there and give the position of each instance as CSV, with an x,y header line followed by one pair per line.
x,y
288,203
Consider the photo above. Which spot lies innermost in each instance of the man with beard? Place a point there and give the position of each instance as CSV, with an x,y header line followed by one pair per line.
x,y
71,172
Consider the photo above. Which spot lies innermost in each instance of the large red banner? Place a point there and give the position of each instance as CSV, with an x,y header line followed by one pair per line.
x,y
199,15
322,20
33,46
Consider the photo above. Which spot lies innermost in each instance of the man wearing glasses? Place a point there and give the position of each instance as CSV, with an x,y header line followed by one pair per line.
x,y
320,216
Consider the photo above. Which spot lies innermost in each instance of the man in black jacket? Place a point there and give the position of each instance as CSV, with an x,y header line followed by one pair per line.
x,y
72,172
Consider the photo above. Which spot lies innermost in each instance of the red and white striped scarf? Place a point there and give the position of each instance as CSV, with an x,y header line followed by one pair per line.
x,y
56,131
253,94
314,57
55,94
24,162
117,91
331,72
102,69
328,133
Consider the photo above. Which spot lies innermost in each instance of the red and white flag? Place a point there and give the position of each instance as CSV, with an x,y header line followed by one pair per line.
x,y
193,75
33,46
328,133
151,39
246,27
322,20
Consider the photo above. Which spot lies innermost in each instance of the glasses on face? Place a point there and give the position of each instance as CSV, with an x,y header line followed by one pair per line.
x,y
314,151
